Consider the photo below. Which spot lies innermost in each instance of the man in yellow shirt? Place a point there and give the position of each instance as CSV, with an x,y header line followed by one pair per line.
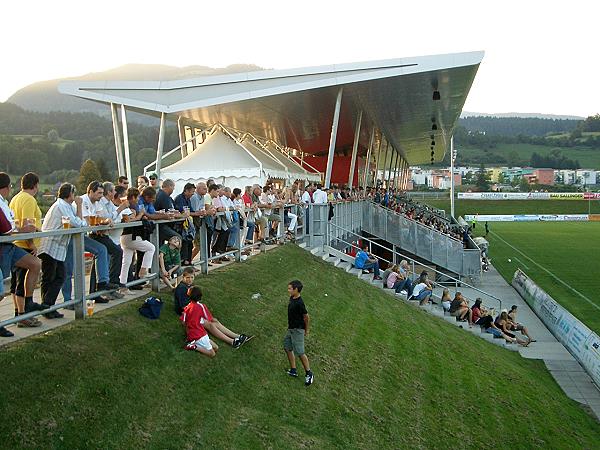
x,y
25,208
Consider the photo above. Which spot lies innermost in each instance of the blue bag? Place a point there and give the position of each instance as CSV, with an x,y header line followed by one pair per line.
x,y
151,308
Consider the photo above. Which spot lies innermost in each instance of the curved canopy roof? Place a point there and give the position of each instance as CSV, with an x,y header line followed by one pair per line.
x,y
412,103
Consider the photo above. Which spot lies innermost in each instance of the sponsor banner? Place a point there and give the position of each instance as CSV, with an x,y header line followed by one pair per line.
x,y
566,196
529,195
595,217
530,217
581,342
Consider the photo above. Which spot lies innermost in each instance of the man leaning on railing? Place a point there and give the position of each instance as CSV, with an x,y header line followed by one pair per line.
x,y
12,256
53,249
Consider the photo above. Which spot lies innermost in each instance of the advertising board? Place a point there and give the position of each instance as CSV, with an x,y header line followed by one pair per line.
x,y
578,339
529,195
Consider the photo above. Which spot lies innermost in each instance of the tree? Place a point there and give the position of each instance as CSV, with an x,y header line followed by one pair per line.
x,y
524,185
53,136
482,181
89,172
105,174
501,179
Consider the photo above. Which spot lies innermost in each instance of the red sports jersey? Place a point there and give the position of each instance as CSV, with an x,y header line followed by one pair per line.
x,y
191,317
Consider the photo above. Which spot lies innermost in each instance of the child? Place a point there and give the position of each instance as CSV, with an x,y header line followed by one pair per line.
x,y
169,259
193,315
298,326
181,291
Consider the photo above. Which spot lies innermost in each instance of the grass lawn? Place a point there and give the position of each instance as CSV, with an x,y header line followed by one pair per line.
x,y
386,376
463,207
568,250
588,157
38,137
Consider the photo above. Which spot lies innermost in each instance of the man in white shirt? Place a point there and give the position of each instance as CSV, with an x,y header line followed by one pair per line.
x,y
53,249
266,203
92,207
114,209
319,196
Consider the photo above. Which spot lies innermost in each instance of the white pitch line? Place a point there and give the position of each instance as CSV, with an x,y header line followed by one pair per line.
x,y
524,265
568,286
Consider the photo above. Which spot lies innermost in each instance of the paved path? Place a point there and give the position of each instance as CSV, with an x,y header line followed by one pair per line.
x,y
567,372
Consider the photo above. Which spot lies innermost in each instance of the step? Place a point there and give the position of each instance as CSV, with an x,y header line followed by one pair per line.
x,y
344,265
332,260
302,245
316,250
354,271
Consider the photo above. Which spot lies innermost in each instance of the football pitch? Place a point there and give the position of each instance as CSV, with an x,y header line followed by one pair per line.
x,y
562,258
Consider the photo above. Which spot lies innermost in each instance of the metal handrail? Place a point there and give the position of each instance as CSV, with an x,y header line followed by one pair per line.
x,y
416,222
413,261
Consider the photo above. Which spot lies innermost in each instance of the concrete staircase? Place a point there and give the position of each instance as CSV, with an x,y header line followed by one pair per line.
x,y
345,262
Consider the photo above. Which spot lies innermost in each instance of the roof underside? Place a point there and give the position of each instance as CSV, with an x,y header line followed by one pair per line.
x,y
295,107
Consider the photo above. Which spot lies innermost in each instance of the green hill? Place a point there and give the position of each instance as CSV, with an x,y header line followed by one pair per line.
x,y
386,376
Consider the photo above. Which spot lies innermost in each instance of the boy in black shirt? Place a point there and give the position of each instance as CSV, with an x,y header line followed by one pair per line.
x,y
180,294
298,326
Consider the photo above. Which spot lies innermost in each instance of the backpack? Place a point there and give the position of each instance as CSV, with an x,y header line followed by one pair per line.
x,y
151,308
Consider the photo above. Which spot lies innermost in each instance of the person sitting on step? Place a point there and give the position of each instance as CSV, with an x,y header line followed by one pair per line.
x,y
367,261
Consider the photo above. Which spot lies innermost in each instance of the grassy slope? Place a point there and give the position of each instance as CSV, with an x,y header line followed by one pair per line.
x,y
387,376
463,207
568,250
588,157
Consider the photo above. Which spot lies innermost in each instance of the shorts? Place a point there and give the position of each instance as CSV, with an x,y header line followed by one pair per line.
x,y
204,343
9,255
294,341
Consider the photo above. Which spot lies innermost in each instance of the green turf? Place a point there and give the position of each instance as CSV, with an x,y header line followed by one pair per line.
x,y
463,207
568,250
588,157
387,375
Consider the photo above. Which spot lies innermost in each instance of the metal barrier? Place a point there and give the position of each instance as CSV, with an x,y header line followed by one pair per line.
x,y
79,282
421,240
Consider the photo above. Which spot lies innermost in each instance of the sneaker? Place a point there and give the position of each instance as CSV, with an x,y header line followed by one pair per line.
x,y
5,333
292,373
190,346
308,380
117,294
245,338
29,323
377,278
365,272
125,291
237,342
102,299
54,315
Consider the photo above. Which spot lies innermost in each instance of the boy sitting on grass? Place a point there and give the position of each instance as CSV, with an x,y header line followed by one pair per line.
x,y
210,324
298,325
193,314
169,259
180,294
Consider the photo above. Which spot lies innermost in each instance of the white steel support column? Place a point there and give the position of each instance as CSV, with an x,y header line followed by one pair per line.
x,y
182,139
354,150
452,176
377,160
161,145
126,143
395,167
118,142
332,138
385,161
368,159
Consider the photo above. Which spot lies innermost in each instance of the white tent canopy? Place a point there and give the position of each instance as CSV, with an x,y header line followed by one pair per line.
x,y
233,164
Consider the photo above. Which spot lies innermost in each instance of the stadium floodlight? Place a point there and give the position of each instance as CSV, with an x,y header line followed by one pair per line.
x,y
436,95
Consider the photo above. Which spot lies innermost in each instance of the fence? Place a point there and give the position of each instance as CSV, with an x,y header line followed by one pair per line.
x,y
420,240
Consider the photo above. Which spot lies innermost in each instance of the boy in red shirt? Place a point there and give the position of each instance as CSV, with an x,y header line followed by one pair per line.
x,y
193,317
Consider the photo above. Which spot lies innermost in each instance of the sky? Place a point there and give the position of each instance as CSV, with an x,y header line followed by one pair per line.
x,y
540,55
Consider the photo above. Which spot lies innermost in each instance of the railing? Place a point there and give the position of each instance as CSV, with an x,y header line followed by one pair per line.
x,y
77,234
420,240
397,256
